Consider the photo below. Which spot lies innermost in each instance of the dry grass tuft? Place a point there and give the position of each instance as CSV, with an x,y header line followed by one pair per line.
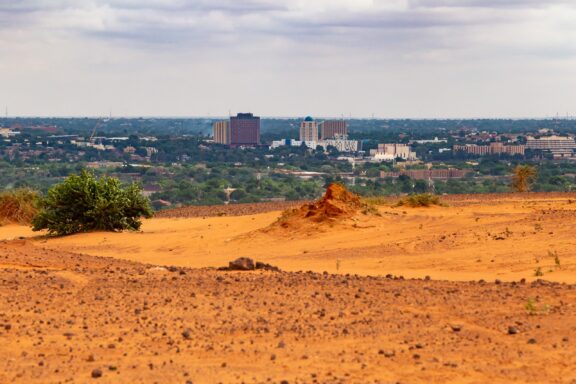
x,y
18,206
420,200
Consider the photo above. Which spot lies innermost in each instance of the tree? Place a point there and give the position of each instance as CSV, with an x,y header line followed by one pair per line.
x,y
523,178
84,203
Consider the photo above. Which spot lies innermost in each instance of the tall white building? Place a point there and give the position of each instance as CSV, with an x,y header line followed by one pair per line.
x,y
309,130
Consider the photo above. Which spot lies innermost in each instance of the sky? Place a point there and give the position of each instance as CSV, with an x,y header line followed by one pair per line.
x,y
289,58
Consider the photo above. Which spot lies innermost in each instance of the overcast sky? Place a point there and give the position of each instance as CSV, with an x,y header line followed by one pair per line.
x,y
387,58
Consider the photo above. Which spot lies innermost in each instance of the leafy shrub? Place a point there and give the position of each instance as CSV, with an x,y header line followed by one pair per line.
x,y
84,203
18,206
420,200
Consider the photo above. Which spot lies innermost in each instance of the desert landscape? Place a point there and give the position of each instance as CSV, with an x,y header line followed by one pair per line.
x,y
481,288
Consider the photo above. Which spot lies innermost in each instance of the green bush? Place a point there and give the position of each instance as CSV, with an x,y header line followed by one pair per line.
x,y
420,200
85,203
18,206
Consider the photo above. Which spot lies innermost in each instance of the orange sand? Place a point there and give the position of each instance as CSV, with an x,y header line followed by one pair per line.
x,y
469,240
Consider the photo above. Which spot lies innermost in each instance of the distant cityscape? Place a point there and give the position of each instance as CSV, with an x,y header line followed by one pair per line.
x,y
245,158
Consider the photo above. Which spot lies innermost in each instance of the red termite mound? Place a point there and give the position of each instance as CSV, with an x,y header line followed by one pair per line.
x,y
337,203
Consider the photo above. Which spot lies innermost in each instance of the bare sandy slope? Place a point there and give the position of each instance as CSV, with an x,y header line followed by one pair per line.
x,y
473,238
66,317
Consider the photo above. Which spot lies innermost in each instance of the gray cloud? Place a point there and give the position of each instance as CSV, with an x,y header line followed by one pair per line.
x,y
374,48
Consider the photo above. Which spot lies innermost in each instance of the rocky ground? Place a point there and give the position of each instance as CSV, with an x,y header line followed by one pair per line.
x,y
73,318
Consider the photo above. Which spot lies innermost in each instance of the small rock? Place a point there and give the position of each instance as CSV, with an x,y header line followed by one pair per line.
x,y
531,341
242,264
386,353
187,334
456,327
512,330
96,373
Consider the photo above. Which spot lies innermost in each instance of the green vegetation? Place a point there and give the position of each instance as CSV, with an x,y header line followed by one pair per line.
x,y
532,307
18,206
420,200
85,203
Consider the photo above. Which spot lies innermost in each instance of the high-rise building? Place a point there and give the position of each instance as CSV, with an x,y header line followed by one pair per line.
x,y
244,130
309,130
221,132
329,129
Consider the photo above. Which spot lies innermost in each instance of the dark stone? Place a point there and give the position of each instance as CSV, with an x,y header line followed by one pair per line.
x,y
512,330
242,264
456,327
96,373
187,334
266,267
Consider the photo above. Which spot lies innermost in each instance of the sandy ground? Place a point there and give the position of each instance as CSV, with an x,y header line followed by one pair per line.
x,y
473,238
101,304
65,317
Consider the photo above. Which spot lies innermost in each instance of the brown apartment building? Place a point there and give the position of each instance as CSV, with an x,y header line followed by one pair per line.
x,y
496,148
329,129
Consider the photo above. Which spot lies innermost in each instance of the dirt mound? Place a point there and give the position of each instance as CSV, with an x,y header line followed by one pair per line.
x,y
337,204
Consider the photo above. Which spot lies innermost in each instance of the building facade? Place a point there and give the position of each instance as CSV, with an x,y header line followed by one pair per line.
x,y
559,146
496,148
425,174
308,130
244,130
221,132
342,144
329,129
390,152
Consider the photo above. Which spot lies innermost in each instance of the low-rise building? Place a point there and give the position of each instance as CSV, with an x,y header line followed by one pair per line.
x,y
426,174
558,146
342,144
391,152
495,148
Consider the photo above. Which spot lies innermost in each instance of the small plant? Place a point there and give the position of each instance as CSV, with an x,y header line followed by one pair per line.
x,y
338,265
532,307
537,227
18,206
420,200
556,259
538,272
85,203
523,178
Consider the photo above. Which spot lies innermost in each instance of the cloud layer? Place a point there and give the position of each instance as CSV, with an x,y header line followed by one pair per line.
x,y
412,58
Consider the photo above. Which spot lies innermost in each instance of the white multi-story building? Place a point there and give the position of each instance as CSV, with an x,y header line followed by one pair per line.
x,y
341,143
308,130
390,152
293,143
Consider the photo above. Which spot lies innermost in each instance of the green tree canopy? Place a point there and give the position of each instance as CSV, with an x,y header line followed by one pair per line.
x,y
84,203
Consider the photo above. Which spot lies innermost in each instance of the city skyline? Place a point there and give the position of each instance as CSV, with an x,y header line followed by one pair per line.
x,y
352,58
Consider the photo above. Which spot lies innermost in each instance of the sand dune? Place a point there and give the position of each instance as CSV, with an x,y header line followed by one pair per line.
x,y
510,239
